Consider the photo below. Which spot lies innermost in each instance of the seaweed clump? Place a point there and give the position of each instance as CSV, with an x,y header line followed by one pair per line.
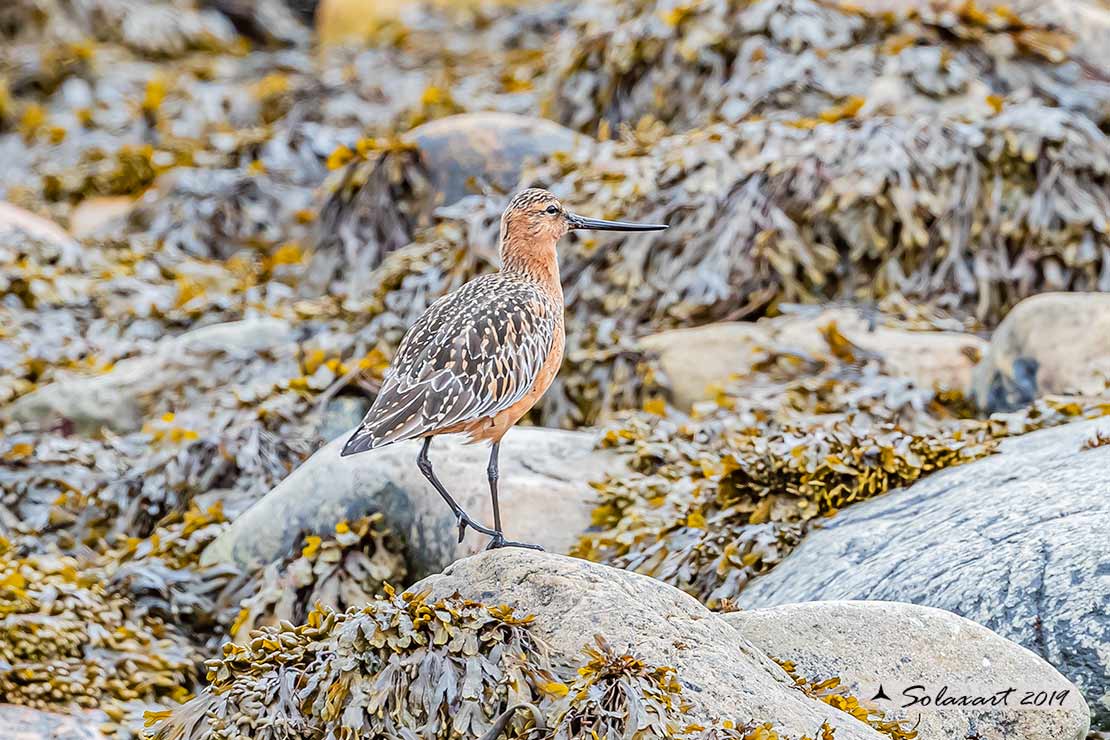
x,y
125,631
810,62
66,638
715,499
396,663
403,666
832,692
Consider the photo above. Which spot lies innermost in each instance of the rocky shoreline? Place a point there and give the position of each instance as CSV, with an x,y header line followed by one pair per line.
x,y
845,422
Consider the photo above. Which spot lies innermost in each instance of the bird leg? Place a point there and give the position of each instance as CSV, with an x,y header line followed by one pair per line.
x,y
491,473
463,518
498,539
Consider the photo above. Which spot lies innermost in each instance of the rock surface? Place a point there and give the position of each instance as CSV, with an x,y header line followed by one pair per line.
x,y
722,674
115,399
877,644
1016,542
697,359
543,488
24,723
367,214
929,358
14,217
490,147
1053,343
98,215
340,21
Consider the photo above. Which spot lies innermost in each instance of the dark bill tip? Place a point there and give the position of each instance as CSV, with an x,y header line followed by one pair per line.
x,y
600,224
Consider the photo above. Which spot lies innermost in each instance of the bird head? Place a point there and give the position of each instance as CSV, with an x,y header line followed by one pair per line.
x,y
538,213
535,219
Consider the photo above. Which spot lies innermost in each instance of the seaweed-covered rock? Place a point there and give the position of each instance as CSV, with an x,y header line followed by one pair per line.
x,y
271,22
952,155
1050,344
930,358
1016,542
763,212
68,638
699,361
124,631
118,399
435,662
711,499
162,29
865,645
722,675
401,664
543,490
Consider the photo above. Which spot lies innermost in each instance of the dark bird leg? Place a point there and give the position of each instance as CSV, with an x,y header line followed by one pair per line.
x,y
464,519
498,539
491,473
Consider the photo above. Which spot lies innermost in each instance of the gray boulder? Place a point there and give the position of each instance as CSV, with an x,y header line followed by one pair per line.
x,y
1050,344
490,147
723,676
1016,542
874,646
544,494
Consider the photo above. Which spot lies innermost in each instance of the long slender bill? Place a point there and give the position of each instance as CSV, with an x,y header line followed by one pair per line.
x,y
599,224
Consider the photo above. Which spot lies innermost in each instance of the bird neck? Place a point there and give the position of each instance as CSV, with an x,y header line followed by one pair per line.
x,y
534,259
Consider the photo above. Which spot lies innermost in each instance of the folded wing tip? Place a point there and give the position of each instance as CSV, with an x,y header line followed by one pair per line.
x,y
361,441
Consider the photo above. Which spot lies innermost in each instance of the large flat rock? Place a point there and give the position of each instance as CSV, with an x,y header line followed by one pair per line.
x,y
544,493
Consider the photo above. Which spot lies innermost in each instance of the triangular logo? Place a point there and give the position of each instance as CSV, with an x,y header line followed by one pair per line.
x,y
881,694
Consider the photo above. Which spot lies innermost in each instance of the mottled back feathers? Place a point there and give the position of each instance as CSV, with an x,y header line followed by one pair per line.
x,y
471,355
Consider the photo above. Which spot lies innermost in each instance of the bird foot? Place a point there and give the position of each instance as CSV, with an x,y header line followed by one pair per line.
x,y
498,540
465,521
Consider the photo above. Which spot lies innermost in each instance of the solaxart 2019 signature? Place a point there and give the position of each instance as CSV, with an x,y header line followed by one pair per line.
x,y
919,695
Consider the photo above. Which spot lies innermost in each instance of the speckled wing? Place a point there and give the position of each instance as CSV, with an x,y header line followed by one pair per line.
x,y
472,354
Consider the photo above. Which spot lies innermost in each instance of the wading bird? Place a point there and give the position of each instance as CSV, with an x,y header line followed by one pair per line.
x,y
479,358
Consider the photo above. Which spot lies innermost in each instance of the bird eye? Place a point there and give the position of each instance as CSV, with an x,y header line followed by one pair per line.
x,y
553,210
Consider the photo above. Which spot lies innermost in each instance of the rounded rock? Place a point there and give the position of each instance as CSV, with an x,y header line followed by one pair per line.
x,y
1052,343
1016,542
909,652
723,676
